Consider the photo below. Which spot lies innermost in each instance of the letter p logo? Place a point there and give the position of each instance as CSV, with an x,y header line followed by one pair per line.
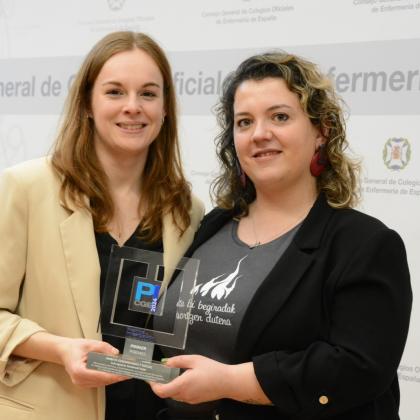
x,y
146,289
145,296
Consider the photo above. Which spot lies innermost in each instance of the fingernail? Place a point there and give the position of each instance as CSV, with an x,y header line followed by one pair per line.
x,y
164,360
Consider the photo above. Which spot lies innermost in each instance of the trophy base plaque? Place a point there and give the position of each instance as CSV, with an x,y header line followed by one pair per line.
x,y
139,369
135,362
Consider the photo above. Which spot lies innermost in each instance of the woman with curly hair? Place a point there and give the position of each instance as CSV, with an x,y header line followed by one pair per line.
x,y
302,305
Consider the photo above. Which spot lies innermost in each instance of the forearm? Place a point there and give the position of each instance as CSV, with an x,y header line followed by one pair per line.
x,y
242,385
43,346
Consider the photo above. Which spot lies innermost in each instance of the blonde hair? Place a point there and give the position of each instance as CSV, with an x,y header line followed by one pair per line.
x,y
163,183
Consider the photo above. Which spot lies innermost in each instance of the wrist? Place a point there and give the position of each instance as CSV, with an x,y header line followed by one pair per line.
x,y
234,382
59,348
43,346
243,385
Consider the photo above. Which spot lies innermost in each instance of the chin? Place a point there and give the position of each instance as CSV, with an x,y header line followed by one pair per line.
x,y
267,183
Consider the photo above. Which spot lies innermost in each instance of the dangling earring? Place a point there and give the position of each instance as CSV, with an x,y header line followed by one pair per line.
x,y
240,172
163,119
319,161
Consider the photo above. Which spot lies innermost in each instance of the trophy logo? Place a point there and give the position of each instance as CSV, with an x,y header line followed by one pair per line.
x,y
145,296
396,153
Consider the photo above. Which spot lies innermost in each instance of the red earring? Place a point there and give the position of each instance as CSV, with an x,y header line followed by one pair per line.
x,y
319,161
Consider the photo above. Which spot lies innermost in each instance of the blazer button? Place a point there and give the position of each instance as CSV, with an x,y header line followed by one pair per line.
x,y
323,399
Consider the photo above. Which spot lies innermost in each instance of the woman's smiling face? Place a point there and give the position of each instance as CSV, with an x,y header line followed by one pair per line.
x,y
127,104
274,138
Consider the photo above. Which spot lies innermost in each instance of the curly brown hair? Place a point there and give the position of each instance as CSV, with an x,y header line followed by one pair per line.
x,y
163,184
339,181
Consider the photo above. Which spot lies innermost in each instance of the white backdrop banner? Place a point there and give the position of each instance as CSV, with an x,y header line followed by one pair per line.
x,y
369,49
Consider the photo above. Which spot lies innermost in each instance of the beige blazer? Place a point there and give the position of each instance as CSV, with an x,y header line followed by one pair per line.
x,y
49,280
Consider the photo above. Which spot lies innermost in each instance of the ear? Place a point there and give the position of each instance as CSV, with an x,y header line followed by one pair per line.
x,y
89,113
320,137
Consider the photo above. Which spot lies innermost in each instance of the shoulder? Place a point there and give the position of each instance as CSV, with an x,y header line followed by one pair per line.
x,y
33,181
213,221
32,172
210,224
217,214
358,232
196,212
355,223
197,206
343,231
329,228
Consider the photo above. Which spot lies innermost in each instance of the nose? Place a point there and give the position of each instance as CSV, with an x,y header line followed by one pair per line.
x,y
261,132
132,105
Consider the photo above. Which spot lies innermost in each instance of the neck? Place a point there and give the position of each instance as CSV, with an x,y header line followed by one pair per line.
x,y
292,202
274,213
124,174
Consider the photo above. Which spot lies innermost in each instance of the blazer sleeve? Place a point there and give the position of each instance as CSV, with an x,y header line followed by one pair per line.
x,y
369,317
14,235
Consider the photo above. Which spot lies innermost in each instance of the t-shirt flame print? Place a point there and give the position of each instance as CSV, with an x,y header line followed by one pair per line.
x,y
219,288
230,273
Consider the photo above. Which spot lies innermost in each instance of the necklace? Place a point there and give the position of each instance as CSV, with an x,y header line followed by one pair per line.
x,y
257,242
116,231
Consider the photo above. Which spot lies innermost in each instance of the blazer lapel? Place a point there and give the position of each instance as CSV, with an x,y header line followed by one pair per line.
x,y
271,296
174,246
211,223
283,278
83,269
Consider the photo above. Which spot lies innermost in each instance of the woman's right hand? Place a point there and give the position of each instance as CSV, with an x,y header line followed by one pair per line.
x,y
71,353
74,353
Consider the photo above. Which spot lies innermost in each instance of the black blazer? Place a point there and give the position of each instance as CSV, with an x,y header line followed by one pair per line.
x,y
327,327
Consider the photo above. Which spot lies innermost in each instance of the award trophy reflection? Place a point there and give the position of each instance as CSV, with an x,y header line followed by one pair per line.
x,y
133,296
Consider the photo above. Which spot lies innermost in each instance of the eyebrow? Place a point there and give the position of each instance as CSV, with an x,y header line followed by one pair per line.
x,y
272,108
116,83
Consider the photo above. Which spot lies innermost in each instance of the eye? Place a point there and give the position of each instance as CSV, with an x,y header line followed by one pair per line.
x,y
243,123
114,92
149,94
280,117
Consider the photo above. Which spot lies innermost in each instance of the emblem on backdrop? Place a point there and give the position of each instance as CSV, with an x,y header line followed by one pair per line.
x,y
115,4
396,153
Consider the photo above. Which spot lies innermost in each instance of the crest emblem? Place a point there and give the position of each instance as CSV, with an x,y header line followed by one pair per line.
x,y
115,4
396,153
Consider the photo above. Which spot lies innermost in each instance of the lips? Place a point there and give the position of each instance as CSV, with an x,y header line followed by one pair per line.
x,y
131,126
266,153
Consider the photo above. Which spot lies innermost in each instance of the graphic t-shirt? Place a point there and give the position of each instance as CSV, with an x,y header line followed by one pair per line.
x,y
230,273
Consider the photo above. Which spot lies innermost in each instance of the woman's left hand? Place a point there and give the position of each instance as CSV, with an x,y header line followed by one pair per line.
x,y
204,380
207,380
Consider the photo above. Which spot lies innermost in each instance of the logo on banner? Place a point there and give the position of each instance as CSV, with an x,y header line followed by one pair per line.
x,y
396,153
115,4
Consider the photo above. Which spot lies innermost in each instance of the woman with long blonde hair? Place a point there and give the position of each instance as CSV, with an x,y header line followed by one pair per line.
x,y
114,178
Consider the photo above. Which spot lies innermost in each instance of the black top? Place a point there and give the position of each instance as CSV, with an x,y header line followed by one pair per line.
x,y
131,399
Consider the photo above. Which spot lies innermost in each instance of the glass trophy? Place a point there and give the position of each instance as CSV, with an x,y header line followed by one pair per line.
x,y
134,295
